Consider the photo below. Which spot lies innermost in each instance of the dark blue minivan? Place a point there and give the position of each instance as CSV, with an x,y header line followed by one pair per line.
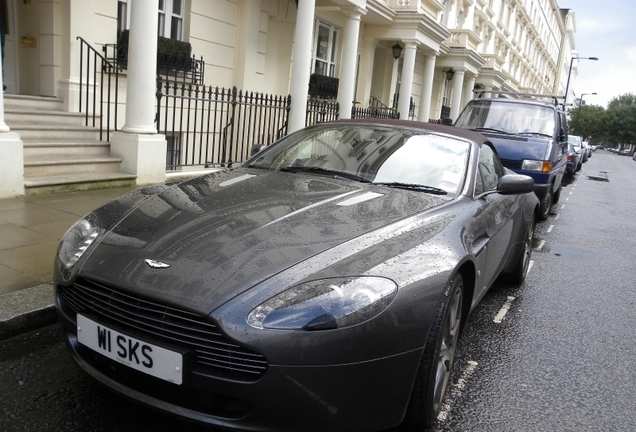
x,y
529,135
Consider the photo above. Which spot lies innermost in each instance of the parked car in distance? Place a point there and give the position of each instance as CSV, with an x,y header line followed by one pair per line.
x,y
577,144
320,286
530,136
625,152
573,164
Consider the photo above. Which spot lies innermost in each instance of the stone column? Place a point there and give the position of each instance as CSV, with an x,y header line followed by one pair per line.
x,y
458,84
142,150
81,17
366,70
394,81
247,56
427,88
406,85
12,156
348,67
468,93
301,66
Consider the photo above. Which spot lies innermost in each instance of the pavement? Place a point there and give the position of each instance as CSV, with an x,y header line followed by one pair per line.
x,y
31,228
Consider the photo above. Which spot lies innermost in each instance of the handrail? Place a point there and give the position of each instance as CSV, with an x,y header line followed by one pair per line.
x,y
93,57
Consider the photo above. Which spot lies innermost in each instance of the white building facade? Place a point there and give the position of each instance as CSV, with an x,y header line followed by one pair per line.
x,y
445,49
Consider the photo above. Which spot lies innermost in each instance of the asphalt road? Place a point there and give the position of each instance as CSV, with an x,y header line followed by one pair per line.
x,y
554,354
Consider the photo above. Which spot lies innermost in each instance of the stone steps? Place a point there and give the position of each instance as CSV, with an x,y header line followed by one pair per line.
x,y
61,154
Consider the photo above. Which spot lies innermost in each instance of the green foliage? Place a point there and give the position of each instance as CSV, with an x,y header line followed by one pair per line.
x,y
166,46
614,125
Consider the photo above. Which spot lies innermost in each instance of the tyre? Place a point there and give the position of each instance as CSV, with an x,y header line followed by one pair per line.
x,y
546,205
437,360
518,274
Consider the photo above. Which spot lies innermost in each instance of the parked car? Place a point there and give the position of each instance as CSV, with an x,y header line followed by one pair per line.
x,y
634,156
574,161
320,286
577,144
530,137
625,152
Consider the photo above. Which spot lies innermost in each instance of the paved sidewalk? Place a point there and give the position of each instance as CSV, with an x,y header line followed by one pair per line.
x,y
31,228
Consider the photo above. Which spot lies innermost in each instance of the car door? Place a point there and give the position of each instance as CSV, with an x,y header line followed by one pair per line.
x,y
493,222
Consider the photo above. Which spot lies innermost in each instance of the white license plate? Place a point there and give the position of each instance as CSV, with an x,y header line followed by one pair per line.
x,y
132,352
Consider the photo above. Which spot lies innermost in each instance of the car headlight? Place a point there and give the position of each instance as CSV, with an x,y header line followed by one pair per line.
x,y
536,165
77,239
325,304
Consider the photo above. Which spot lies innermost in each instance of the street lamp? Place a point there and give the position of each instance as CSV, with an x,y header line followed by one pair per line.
x,y
578,110
567,86
397,50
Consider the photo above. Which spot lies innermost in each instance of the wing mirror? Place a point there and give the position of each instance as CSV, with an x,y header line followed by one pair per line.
x,y
512,184
256,148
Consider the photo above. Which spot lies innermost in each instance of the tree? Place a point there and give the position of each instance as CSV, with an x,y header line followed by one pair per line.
x,y
621,119
586,120
614,125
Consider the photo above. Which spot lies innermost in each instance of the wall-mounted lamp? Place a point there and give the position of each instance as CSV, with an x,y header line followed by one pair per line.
x,y
449,74
397,50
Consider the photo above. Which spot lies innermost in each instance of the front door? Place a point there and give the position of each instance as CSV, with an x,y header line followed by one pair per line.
x,y
9,50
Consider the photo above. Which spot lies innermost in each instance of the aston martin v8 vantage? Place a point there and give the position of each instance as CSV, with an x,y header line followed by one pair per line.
x,y
321,285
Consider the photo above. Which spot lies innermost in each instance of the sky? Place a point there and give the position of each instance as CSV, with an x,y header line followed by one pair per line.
x,y
605,29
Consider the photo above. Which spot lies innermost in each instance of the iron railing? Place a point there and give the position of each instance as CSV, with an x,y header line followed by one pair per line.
x,y
98,90
210,126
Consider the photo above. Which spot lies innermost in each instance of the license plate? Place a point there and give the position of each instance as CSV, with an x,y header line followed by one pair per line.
x,y
132,352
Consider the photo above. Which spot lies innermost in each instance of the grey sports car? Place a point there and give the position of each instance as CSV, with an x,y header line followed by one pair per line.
x,y
322,285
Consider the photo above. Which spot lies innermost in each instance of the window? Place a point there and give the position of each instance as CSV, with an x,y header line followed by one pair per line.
x,y
325,49
490,171
170,18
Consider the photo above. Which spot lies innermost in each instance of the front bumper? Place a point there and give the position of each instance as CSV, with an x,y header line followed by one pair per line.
x,y
345,391
362,397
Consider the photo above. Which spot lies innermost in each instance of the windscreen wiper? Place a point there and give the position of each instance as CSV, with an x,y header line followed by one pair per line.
x,y
414,186
535,133
484,129
318,170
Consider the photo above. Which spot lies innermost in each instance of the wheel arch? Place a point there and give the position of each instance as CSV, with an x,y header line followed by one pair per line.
x,y
468,273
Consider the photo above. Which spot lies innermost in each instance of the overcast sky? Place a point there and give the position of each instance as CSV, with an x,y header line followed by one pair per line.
x,y
605,29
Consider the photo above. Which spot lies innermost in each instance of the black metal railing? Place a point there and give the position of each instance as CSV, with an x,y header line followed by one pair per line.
x,y
210,126
320,111
98,90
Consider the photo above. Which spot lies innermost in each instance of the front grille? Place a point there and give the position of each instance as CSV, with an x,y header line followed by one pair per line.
x,y
511,164
164,323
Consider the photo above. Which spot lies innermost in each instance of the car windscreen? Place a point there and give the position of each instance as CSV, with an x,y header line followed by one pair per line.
x,y
508,118
406,158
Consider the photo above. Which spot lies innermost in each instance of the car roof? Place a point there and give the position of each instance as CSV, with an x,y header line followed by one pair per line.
x,y
424,126
518,101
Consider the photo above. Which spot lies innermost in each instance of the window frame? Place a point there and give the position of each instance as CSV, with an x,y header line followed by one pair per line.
x,y
162,30
332,48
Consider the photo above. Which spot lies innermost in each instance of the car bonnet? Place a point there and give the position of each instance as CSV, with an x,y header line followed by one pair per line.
x,y
202,242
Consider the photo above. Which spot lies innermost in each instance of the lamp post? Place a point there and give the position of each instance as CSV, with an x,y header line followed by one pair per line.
x,y
567,86
578,111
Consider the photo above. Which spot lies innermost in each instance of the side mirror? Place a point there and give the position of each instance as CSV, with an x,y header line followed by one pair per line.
x,y
256,148
512,184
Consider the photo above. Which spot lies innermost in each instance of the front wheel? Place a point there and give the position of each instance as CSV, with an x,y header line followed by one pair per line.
x,y
546,205
437,361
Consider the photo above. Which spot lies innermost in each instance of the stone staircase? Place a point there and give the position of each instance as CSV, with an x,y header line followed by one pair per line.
x,y
60,153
